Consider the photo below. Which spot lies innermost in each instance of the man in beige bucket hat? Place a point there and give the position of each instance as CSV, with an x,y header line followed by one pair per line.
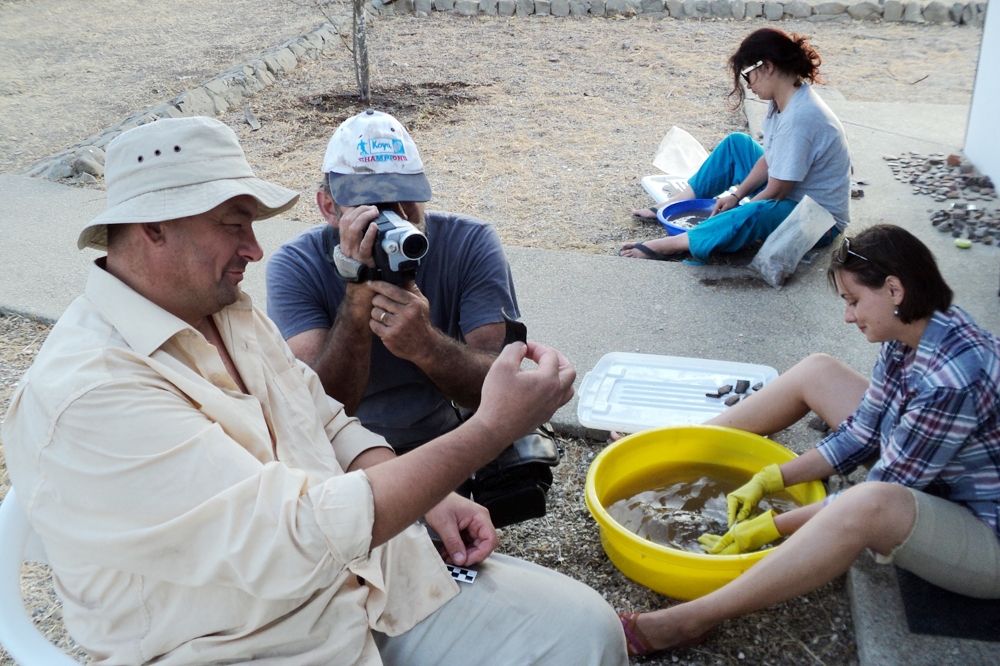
x,y
202,500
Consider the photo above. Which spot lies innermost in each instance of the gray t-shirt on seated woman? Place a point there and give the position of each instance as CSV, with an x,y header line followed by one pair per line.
x,y
806,144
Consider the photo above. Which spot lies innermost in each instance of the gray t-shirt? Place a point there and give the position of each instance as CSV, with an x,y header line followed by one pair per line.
x,y
467,281
806,144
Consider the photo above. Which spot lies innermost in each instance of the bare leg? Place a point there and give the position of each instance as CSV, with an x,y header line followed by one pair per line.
x,y
683,195
871,515
819,382
665,245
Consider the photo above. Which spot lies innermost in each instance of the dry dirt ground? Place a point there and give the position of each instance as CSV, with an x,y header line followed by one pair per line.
x,y
542,126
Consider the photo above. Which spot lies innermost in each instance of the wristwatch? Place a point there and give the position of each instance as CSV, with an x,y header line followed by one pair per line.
x,y
351,270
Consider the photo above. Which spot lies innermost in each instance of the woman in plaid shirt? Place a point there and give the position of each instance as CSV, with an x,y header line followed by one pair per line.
x,y
931,415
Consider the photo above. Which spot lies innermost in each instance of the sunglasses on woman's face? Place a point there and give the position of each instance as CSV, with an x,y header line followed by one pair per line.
x,y
745,72
845,249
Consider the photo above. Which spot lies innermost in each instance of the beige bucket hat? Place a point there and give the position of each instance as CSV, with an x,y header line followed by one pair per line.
x,y
177,167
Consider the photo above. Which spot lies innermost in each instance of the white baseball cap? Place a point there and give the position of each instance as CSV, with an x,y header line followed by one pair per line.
x,y
177,167
372,159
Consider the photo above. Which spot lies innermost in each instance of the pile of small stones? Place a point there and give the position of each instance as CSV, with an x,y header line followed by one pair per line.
x,y
951,178
968,221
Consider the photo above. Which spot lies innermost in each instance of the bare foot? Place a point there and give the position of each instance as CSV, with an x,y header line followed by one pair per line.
x,y
662,629
640,251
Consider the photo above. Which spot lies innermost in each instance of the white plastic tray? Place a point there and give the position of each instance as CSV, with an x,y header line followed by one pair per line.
x,y
633,392
660,187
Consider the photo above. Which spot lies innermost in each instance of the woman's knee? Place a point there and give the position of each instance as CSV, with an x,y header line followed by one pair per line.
x,y
881,513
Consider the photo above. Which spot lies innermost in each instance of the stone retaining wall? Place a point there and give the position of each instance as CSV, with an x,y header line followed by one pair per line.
x,y
967,13
83,162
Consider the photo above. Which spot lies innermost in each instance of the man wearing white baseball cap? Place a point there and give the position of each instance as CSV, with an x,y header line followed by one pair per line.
x,y
395,355
202,500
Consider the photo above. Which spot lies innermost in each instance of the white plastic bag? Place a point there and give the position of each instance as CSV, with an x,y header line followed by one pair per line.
x,y
785,247
679,154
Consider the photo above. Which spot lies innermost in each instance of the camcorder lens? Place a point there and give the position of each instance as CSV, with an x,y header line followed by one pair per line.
x,y
414,246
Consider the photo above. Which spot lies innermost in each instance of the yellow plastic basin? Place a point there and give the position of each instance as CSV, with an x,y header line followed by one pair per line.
x,y
677,573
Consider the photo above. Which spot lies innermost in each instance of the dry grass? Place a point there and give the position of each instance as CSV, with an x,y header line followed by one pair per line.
x,y
550,124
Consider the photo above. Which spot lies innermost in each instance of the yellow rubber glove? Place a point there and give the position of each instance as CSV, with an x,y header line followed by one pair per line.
x,y
742,501
743,537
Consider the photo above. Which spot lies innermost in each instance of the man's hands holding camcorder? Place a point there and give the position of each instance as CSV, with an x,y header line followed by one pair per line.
x,y
401,316
357,233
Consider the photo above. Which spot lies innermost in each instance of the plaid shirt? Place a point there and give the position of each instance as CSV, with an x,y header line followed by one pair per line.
x,y
933,417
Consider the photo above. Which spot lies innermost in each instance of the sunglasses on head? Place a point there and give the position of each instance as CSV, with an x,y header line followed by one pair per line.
x,y
745,72
845,249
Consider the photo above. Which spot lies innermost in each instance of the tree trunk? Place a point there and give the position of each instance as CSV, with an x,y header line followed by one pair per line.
x,y
361,52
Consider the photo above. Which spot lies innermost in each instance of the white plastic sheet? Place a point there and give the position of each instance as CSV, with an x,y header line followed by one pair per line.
x,y
785,247
679,154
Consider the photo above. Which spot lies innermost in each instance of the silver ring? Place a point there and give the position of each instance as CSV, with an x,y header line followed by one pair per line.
x,y
382,318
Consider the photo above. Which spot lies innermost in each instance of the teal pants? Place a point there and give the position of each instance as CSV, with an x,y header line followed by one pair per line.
x,y
729,164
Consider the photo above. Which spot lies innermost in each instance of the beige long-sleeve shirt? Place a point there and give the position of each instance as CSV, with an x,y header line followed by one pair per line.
x,y
189,522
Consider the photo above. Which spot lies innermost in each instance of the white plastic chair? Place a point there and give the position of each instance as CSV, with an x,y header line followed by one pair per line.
x,y
19,636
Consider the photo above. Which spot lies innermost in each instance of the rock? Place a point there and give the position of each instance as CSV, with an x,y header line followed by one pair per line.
x,y
955,12
560,7
615,8
754,9
196,103
696,8
424,6
822,18
89,160
297,49
58,171
471,7
506,7
86,179
543,7
954,160
721,8
798,9
892,11
165,110
525,7
936,12
676,8
444,5
651,6
579,7
597,7
773,11
739,9
863,10
285,59
912,13
831,8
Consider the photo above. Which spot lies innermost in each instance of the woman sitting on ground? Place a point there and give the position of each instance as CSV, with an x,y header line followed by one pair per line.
x,y
805,153
932,415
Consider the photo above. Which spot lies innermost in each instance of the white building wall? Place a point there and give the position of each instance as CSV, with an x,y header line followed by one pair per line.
x,y
982,138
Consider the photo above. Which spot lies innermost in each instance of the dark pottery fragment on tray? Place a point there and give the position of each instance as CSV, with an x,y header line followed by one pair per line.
x,y
732,400
712,395
742,385
758,386
723,390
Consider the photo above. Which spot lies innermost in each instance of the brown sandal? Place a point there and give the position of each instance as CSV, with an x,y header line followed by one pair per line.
x,y
635,640
639,645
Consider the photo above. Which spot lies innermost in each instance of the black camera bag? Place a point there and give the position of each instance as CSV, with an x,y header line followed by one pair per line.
x,y
514,485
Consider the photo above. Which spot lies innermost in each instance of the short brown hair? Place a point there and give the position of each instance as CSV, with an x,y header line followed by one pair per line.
x,y
884,250
792,54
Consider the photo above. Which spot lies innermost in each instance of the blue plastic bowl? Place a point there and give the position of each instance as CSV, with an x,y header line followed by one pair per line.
x,y
679,209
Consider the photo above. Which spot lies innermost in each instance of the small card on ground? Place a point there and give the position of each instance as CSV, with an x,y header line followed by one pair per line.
x,y
461,574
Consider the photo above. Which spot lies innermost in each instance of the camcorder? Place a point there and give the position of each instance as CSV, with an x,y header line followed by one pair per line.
x,y
399,247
